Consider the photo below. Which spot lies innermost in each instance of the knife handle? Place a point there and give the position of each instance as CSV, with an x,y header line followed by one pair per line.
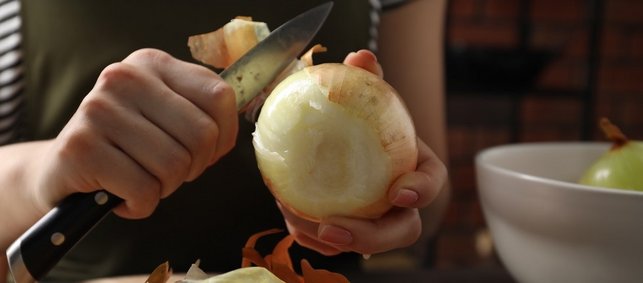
x,y
45,243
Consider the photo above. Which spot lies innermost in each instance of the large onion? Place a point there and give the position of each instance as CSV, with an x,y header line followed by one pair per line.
x,y
331,139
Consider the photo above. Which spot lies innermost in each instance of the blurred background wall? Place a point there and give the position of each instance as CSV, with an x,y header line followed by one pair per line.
x,y
527,71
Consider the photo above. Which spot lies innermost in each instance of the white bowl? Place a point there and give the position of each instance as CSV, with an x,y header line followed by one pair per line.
x,y
547,228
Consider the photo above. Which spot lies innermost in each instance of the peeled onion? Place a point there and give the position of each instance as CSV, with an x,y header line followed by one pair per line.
x,y
331,139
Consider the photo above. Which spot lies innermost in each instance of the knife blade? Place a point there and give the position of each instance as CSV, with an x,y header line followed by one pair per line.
x,y
42,246
262,64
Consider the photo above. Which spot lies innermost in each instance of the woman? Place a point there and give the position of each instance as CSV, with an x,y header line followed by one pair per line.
x,y
94,118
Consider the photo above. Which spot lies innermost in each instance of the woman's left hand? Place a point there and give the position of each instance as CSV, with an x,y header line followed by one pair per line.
x,y
398,228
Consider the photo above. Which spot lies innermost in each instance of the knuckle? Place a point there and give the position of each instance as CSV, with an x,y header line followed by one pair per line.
x,y
75,146
96,110
149,55
113,76
223,88
220,92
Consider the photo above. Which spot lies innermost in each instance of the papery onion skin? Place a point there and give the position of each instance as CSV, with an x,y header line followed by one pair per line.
x,y
222,47
331,139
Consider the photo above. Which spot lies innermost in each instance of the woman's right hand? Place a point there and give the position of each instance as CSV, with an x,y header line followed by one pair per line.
x,y
150,123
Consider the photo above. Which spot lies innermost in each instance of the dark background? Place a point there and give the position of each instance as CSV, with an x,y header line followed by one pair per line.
x,y
528,71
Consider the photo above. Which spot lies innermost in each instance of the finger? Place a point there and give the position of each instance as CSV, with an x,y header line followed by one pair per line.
x,y
314,244
194,129
140,191
400,227
419,188
305,232
309,227
109,110
191,127
299,225
222,97
200,86
93,157
366,60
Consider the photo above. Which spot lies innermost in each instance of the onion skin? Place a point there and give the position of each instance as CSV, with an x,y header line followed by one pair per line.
x,y
222,47
331,139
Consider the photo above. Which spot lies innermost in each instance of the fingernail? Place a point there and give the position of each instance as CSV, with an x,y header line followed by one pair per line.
x,y
406,197
335,235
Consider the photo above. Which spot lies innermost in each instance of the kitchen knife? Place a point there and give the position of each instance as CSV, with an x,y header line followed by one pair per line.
x,y
40,248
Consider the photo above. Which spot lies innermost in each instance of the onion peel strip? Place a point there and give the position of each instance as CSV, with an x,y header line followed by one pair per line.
x,y
160,274
279,263
250,245
307,58
222,47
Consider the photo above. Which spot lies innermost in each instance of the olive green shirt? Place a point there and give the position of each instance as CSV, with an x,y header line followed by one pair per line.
x,y
66,45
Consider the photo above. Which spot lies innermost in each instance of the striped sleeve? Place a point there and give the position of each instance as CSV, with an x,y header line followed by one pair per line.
x,y
11,72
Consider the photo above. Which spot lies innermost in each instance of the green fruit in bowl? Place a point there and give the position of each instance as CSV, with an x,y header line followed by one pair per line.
x,y
621,167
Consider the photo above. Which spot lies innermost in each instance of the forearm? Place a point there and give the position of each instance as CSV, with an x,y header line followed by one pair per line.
x,y
411,53
18,208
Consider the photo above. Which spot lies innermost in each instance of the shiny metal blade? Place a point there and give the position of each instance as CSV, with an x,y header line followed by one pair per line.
x,y
261,65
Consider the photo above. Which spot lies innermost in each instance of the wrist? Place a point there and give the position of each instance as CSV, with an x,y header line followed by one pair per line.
x,y
38,191
19,196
